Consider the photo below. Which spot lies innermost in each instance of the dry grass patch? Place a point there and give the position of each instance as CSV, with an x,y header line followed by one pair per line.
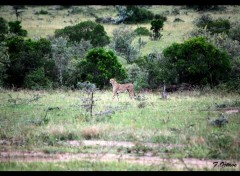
x,y
92,132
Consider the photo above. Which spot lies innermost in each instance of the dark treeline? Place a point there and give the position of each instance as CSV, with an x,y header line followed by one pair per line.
x,y
84,52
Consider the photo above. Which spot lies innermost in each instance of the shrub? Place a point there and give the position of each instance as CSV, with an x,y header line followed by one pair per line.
x,y
101,65
4,62
26,56
178,20
142,31
232,47
16,28
86,30
197,62
66,56
204,7
214,26
42,12
37,80
137,76
160,17
151,69
156,26
139,15
76,10
3,28
122,43
221,41
234,32
175,11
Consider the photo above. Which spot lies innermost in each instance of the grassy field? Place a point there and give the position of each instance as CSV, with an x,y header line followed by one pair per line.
x,y
44,121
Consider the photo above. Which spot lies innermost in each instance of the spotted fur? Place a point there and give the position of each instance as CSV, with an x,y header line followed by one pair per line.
x,y
120,88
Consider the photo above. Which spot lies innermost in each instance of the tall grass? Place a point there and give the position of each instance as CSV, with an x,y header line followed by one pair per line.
x,y
182,119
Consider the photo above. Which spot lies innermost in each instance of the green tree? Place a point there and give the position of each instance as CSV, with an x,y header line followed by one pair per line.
x,y
3,28
4,62
122,43
137,76
87,30
101,65
65,56
138,15
197,62
37,80
26,56
16,28
151,66
156,26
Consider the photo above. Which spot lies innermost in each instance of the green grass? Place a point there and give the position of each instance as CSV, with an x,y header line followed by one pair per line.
x,y
91,166
182,119
76,166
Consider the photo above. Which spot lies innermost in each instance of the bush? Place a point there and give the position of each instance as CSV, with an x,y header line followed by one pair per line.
x,y
197,62
16,28
139,15
204,7
142,31
234,32
122,43
232,47
26,56
214,26
151,70
4,62
178,20
42,12
66,56
221,41
175,11
137,76
86,30
160,17
37,80
99,66
3,28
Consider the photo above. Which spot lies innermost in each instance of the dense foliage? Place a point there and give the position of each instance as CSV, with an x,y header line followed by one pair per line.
x,y
156,26
197,62
139,15
142,31
214,26
87,30
101,65
122,43
84,52
16,28
204,7
3,28
25,56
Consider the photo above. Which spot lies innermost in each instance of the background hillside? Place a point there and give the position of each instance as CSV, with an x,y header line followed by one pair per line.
x,y
44,25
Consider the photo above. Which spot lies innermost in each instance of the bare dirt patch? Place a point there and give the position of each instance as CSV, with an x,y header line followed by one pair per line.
x,y
186,163
178,164
232,111
75,143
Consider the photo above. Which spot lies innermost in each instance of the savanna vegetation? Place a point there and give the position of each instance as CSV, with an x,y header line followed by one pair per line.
x,y
55,66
